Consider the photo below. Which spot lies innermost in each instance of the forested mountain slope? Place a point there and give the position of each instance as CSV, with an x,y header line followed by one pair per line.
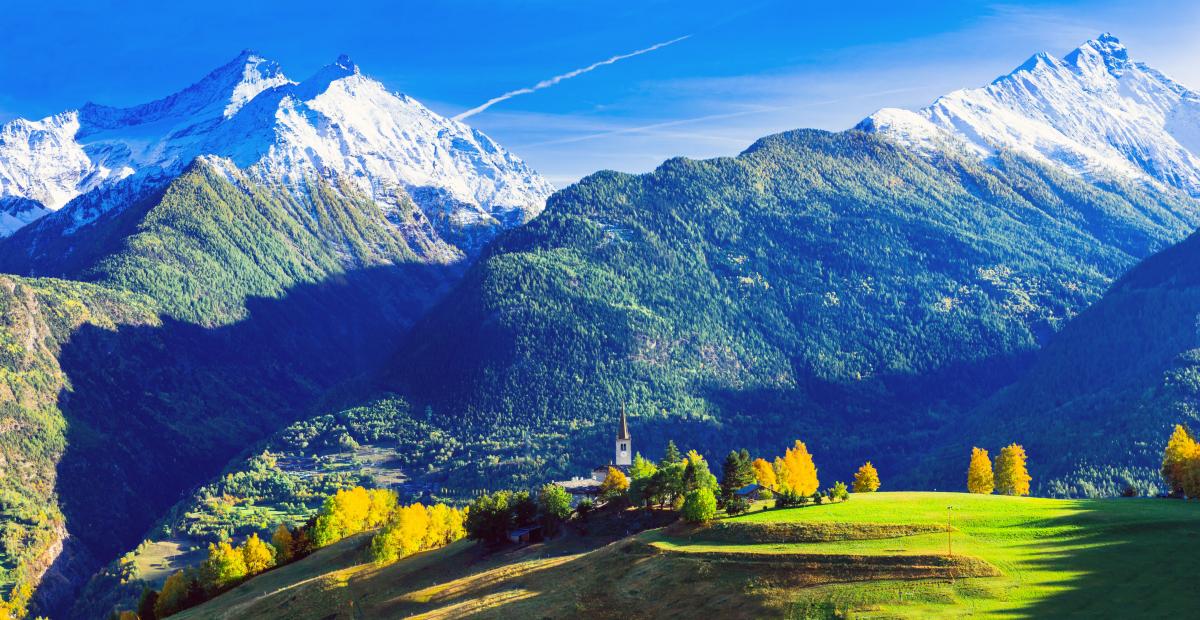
x,y
266,303
37,320
1098,406
830,286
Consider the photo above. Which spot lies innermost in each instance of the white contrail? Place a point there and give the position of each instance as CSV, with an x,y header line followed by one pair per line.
x,y
566,76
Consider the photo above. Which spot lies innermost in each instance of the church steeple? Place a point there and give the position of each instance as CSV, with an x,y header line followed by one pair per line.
x,y
624,442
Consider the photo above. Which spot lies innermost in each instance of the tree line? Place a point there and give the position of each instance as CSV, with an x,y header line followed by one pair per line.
x,y
401,531
680,481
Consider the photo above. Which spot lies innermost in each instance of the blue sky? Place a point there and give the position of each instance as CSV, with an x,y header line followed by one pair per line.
x,y
746,69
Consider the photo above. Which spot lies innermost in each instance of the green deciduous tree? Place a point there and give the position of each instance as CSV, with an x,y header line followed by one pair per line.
x,y
554,506
490,517
699,506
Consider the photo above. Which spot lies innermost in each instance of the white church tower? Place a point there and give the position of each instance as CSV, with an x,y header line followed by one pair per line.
x,y
624,443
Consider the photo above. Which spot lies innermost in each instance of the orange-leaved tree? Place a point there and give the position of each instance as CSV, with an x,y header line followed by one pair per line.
x,y
801,471
764,474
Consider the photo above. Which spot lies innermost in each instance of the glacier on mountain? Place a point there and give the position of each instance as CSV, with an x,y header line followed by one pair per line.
x,y
337,125
1093,112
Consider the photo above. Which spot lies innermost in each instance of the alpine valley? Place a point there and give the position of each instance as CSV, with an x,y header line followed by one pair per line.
x,y
223,305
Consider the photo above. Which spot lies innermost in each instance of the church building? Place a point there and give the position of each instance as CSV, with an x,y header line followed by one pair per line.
x,y
623,455
622,460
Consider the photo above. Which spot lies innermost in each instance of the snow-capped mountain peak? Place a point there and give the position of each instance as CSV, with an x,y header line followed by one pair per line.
x,y
337,124
1095,112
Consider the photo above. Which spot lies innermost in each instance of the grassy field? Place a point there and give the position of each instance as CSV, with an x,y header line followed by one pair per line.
x,y
881,555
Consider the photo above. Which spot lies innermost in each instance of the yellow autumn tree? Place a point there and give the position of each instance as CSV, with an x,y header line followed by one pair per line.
x,y
224,566
979,472
764,474
383,502
780,469
866,479
445,526
258,555
800,470
127,615
283,541
173,595
1175,458
417,528
1011,475
615,484
346,512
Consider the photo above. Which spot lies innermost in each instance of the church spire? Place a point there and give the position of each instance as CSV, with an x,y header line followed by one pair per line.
x,y
624,442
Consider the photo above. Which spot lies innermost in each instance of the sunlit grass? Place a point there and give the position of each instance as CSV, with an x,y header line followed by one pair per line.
x,y
1031,557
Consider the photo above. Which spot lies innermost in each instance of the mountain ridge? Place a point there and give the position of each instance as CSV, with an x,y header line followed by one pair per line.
x,y
338,123
1096,112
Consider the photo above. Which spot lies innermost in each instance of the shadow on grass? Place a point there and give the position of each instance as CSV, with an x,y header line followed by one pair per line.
x,y
1116,559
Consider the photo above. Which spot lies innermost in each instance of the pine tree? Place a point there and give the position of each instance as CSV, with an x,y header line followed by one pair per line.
x,y
866,479
672,455
979,472
1012,477
736,472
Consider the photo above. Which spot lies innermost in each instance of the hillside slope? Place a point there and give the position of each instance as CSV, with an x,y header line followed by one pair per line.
x,y
834,287
37,321
1012,557
266,304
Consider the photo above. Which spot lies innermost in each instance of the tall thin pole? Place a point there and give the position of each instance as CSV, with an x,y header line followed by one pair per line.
x,y
949,529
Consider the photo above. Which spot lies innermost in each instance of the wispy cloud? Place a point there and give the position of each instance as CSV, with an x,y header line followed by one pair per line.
x,y
565,76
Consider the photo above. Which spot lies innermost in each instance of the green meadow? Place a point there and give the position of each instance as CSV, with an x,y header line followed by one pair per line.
x,y
879,555
1057,558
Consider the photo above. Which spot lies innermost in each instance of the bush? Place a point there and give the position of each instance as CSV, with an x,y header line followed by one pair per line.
x,y
699,506
490,517
839,492
584,508
737,505
788,499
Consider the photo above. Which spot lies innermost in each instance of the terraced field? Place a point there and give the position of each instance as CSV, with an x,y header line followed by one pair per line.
x,y
881,555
